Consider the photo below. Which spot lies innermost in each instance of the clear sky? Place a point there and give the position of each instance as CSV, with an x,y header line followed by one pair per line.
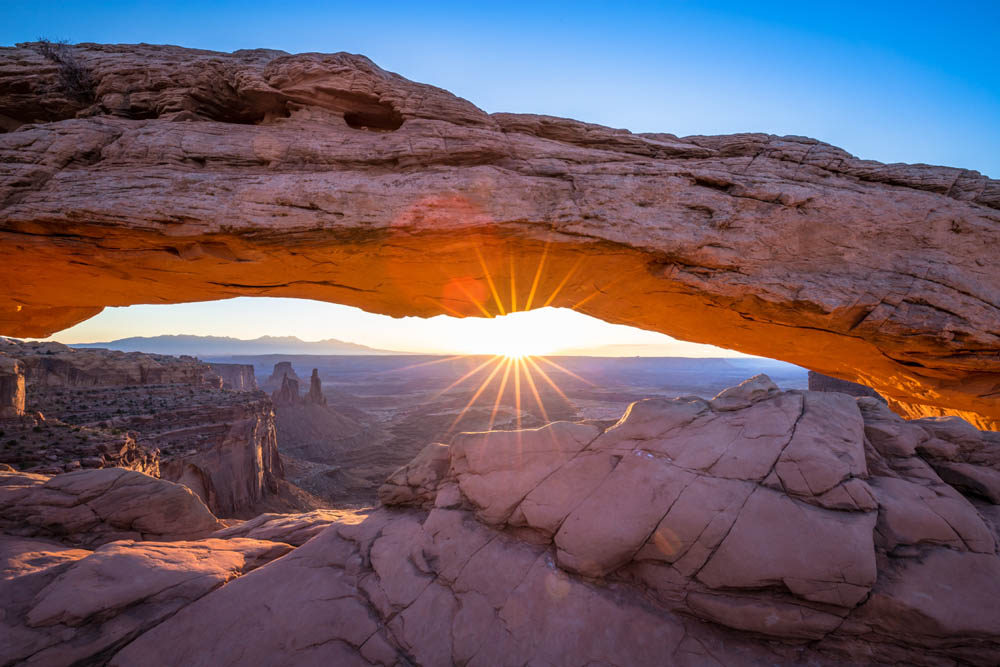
x,y
891,81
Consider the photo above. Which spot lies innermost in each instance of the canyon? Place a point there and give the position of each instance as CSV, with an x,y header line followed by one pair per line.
x,y
170,417
180,175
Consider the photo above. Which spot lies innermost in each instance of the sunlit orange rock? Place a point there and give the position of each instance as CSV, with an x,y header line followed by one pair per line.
x,y
181,175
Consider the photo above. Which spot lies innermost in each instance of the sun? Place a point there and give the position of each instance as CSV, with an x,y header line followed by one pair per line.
x,y
514,335
516,345
514,349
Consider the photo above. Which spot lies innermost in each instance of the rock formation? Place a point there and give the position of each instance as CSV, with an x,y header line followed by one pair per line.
x,y
94,507
315,395
761,527
325,177
287,394
236,464
157,414
11,388
277,377
706,505
235,377
57,365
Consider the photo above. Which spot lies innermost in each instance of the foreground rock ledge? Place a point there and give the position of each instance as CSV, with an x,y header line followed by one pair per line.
x,y
761,527
166,174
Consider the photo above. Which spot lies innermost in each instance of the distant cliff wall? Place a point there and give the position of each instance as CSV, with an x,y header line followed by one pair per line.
x,y
238,377
233,472
55,364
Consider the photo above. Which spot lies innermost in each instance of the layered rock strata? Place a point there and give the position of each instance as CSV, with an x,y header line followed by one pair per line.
x,y
34,444
157,414
322,176
57,365
234,464
235,377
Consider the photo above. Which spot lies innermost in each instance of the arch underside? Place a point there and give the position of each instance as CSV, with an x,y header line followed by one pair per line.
x,y
331,179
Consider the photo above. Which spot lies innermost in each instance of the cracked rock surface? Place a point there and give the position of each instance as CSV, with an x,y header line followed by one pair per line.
x,y
185,175
761,527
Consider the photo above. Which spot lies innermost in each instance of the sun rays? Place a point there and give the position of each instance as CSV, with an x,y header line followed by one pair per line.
x,y
514,364
515,371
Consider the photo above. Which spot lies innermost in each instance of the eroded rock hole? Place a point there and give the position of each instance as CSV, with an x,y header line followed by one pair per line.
x,y
378,118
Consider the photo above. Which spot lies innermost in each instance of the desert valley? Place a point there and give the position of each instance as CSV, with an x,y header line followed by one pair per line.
x,y
181,500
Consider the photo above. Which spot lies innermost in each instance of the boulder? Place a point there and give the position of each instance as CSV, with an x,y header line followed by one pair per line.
x,y
93,507
74,606
417,482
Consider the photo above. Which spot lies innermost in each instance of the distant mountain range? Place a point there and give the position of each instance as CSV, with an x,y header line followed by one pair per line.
x,y
219,347
224,346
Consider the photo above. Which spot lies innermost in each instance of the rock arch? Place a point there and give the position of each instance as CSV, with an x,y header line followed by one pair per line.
x,y
194,175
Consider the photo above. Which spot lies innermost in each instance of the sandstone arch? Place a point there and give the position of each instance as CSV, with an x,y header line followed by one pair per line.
x,y
189,175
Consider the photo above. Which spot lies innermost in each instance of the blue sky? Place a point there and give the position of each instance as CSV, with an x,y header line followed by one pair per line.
x,y
892,81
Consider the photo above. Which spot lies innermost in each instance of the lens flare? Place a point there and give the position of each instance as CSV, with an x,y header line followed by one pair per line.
x,y
517,351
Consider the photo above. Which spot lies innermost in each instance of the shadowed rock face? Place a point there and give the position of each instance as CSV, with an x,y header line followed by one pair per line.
x,y
276,380
315,395
11,387
238,377
184,175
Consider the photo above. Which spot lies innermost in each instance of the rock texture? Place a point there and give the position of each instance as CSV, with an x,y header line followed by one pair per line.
x,y
157,414
166,174
50,446
820,382
235,463
761,527
93,507
802,516
315,394
57,365
277,377
287,393
236,377
11,388
66,607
